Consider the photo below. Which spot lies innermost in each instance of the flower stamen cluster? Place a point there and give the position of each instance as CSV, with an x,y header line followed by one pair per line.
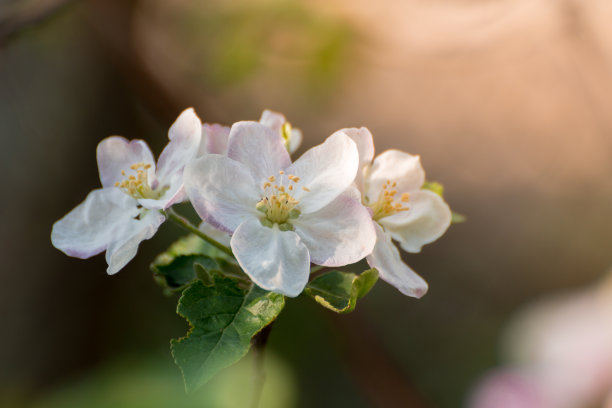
x,y
386,204
279,204
138,186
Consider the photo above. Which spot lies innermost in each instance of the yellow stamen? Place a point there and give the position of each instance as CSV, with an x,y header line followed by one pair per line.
x,y
386,204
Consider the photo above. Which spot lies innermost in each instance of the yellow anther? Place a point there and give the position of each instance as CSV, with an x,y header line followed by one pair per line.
x,y
272,179
305,189
281,172
290,187
386,204
266,185
137,185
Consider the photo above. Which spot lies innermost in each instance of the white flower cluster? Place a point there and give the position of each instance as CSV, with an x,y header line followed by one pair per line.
x,y
333,206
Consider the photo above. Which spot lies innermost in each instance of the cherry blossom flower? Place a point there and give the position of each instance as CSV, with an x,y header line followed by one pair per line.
x,y
282,216
126,210
215,136
391,187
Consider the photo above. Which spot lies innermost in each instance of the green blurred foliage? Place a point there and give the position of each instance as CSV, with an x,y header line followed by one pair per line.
x,y
234,43
154,382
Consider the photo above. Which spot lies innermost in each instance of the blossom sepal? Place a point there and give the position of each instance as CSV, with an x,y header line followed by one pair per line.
x,y
223,319
339,291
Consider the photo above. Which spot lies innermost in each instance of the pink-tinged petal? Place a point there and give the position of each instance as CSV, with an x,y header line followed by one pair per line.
x,y
365,146
221,190
364,141
91,226
273,120
214,139
395,166
185,135
427,219
275,260
116,154
127,238
326,171
386,259
338,234
295,140
258,148
221,237
510,389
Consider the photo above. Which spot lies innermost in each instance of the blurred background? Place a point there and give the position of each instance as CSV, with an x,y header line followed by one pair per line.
x,y
508,102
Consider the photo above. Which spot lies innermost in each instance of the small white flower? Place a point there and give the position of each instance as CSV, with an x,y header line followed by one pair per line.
x,y
401,210
125,211
282,216
215,136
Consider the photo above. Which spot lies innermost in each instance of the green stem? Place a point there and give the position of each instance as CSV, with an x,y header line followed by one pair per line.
x,y
184,223
316,268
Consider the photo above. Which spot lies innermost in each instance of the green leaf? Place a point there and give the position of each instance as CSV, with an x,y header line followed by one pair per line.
x,y
339,291
184,269
223,319
189,258
434,186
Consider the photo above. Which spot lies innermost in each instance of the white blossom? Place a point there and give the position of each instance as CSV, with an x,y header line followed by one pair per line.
x,y
126,210
391,187
282,216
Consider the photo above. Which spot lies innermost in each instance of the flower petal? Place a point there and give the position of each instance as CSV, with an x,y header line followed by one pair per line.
x,y
214,139
295,140
326,171
273,120
427,219
365,146
125,245
258,148
116,154
221,190
386,259
185,135
275,260
91,226
364,141
338,234
403,168
221,237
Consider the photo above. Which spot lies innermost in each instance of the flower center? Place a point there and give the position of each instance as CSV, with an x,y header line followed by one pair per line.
x,y
138,186
387,204
278,204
